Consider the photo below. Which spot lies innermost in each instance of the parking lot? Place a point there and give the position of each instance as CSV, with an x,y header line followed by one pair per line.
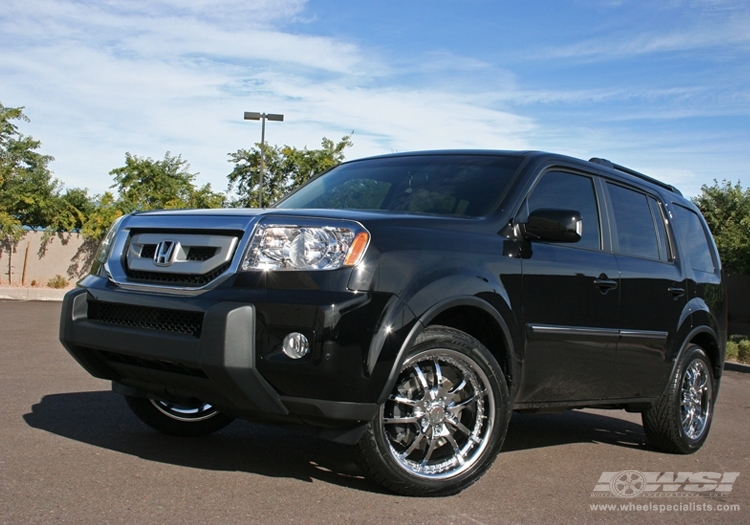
x,y
71,452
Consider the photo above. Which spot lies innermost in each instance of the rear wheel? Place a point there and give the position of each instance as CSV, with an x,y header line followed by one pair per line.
x,y
178,420
680,420
444,421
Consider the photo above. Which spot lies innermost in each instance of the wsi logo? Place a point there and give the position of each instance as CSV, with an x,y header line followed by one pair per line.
x,y
632,483
165,252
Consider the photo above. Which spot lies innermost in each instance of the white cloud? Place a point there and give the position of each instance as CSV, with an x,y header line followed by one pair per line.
x,y
708,28
102,78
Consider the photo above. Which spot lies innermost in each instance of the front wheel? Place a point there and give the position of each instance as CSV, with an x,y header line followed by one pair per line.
x,y
178,420
444,421
680,420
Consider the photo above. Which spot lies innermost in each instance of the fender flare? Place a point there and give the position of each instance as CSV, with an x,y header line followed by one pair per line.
x,y
424,320
703,329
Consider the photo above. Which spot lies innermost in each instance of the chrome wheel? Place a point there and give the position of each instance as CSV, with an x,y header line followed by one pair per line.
x,y
679,422
185,413
695,399
438,418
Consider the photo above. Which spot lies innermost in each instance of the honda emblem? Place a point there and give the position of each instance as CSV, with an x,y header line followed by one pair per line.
x,y
165,252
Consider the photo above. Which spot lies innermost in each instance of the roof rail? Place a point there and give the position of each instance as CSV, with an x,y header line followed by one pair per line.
x,y
612,165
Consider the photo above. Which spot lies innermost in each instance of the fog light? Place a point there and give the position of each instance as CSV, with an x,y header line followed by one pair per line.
x,y
296,345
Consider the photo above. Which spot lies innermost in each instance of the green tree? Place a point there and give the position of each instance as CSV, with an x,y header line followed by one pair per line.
x,y
726,208
286,168
29,195
147,184
101,216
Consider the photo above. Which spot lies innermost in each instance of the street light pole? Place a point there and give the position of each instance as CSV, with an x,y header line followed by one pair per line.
x,y
253,115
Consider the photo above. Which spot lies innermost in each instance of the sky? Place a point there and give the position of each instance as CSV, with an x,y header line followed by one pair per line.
x,y
661,87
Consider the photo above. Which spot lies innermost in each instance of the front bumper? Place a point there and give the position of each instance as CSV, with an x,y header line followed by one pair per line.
x,y
156,350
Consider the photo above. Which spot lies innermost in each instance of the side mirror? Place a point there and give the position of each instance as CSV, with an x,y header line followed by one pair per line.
x,y
552,225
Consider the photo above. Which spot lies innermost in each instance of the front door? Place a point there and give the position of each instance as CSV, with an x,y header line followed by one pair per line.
x,y
570,301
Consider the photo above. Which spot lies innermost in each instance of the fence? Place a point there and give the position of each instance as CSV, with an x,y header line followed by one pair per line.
x,y
34,260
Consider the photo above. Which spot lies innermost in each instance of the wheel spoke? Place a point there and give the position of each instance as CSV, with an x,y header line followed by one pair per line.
x,y
687,420
702,381
420,376
457,407
433,445
460,426
438,373
690,376
417,441
456,450
458,388
686,400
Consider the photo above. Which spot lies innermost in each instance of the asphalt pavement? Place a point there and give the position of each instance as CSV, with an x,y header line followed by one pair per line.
x,y
71,452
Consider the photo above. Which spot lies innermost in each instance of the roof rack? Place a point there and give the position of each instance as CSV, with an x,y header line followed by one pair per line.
x,y
612,165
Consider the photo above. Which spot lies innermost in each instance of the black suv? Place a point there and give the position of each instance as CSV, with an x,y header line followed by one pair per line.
x,y
409,303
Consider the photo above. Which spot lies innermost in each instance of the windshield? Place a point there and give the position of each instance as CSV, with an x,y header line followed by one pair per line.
x,y
458,185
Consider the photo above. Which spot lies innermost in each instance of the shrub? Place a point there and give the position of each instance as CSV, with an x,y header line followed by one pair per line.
x,y
732,350
743,351
58,281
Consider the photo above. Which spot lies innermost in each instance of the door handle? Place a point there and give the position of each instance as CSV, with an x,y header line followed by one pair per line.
x,y
676,292
605,284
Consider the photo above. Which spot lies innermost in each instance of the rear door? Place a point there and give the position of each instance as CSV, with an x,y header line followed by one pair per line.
x,y
653,291
570,299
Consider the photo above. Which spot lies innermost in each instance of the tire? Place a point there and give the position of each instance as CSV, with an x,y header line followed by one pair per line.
x,y
178,420
443,423
680,420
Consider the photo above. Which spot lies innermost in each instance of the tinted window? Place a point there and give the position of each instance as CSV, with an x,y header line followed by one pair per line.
x,y
661,232
636,229
461,185
693,240
568,191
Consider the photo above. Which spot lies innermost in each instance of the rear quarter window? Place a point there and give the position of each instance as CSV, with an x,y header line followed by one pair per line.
x,y
694,243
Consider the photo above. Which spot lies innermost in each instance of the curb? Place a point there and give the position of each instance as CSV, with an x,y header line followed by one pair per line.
x,y
736,367
32,294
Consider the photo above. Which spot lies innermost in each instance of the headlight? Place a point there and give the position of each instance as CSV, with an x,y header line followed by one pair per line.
x,y
306,244
102,254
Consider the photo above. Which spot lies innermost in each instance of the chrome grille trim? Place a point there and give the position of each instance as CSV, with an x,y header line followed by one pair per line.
x,y
237,223
144,254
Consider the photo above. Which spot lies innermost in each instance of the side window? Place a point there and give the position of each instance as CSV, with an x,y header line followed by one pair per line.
x,y
568,191
693,240
639,225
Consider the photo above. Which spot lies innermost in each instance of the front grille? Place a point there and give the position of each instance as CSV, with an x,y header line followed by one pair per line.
x,y
151,364
201,253
148,251
195,253
163,319
176,279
